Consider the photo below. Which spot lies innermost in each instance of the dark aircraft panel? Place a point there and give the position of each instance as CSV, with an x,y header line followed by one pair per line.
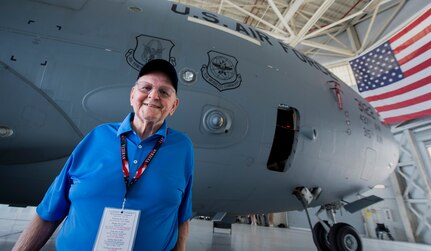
x,y
285,138
41,130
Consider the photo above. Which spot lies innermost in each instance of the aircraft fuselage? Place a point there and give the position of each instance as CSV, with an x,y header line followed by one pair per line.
x,y
263,117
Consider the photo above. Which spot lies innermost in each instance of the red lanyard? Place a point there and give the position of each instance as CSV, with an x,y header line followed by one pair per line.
x,y
142,168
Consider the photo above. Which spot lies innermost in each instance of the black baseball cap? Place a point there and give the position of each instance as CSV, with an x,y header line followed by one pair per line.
x,y
160,65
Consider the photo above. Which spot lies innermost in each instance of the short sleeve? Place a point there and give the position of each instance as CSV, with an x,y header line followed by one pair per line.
x,y
55,204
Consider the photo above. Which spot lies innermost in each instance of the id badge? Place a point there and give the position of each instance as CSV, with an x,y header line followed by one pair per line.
x,y
117,230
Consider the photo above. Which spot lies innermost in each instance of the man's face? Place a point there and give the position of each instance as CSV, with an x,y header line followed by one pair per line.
x,y
153,98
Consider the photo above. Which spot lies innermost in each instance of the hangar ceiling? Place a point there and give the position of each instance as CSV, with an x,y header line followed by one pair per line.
x,y
311,25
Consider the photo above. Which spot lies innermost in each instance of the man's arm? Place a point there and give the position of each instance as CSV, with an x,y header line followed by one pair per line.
x,y
36,234
183,234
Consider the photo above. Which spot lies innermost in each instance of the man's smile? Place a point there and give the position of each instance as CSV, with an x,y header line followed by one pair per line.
x,y
152,105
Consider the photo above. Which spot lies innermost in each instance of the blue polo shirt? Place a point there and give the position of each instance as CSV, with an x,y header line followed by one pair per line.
x,y
92,179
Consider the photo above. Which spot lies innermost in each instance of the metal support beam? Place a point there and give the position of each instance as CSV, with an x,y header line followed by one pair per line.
x,y
320,31
323,8
325,47
388,21
331,37
220,7
419,163
280,16
355,42
370,25
255,17
264,13
405,219
291,11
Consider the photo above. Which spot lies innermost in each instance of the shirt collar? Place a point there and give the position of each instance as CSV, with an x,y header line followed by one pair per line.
x,y
126,126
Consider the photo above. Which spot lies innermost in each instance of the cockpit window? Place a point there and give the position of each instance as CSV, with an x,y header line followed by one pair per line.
x,y
285,138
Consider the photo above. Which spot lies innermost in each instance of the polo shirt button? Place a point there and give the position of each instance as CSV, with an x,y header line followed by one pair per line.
x,y
139,146
135,162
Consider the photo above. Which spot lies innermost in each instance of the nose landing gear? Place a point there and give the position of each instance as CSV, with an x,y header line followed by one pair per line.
x,y
321,236
329,236
344,237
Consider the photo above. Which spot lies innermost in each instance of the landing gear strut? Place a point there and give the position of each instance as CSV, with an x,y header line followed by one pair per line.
x,y
329,236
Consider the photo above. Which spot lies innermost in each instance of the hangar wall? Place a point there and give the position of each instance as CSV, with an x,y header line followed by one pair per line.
x,y
413,178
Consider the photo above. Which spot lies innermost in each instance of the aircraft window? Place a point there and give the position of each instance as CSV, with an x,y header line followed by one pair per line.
x,y
284,138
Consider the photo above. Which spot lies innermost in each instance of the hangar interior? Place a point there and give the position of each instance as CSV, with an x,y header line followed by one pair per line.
x,y
333,32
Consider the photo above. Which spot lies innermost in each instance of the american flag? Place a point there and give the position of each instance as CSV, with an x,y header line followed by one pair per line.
x,y
395,77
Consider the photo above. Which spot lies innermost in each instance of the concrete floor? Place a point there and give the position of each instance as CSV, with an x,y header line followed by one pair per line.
x,y
202,238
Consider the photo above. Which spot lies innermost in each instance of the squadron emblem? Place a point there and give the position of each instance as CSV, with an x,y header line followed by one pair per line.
x,y
220,71
148,48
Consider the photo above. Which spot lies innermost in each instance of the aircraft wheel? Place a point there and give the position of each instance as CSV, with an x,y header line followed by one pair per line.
x,y
320,237
344,237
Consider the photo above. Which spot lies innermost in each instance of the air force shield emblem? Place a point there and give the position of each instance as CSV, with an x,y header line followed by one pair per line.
x,y
148,48
221,71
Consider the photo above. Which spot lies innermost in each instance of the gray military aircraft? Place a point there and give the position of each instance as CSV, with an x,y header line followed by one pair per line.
x,y
273,130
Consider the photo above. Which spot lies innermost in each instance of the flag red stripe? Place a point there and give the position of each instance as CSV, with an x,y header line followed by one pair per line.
x,y
412,40
407,116
400,91
411,26
418,68
405,103
415,53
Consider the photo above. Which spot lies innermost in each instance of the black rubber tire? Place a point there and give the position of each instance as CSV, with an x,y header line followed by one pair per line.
x,y
320,237
344,237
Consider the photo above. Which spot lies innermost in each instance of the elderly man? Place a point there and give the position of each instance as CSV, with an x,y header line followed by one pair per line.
x,y
126,184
